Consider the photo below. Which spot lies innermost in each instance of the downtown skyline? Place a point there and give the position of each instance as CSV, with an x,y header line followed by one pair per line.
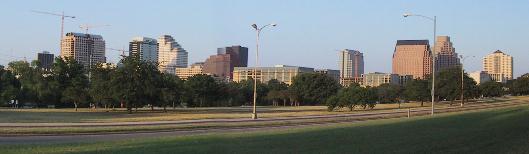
x,y
308,38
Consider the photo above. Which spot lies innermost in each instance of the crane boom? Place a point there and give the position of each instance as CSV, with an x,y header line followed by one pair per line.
x,y
62,23
55,14
86,27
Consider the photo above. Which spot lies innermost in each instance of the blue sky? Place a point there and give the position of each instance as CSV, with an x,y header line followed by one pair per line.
x,y
309,32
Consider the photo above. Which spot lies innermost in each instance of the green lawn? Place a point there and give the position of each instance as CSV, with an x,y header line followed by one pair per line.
x,y
491,131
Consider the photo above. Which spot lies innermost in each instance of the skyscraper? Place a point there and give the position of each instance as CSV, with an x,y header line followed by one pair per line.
x,y
238,54
144,48
499,66
87,49
351,66
446,55
170,54
412,57
46,60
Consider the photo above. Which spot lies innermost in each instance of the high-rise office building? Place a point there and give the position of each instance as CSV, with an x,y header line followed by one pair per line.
x,y
219,65
222,64
87,49
499,66
238,55
45,60
446,54
170,54
412,57
351,66
144,48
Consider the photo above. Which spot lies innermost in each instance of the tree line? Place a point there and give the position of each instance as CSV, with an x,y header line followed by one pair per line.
x,y
134,83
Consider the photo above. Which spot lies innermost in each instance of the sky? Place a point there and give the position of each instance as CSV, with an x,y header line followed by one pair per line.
x,y
310,33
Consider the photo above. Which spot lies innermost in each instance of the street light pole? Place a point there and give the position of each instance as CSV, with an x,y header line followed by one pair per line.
x,y
258,31
462,79
434,54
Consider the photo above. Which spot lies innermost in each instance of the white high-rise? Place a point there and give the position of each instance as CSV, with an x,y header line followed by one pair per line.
x,y
499,66
87,49
170,54
351,66
144,48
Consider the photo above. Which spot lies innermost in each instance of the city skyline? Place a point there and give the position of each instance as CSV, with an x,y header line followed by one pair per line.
x,y
376,29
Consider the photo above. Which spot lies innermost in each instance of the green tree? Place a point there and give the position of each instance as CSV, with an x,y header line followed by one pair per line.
x,y
171,90
314,88
9,86
389,93
101,85
76,92
276,92
521,85
203,89
417,90
491,89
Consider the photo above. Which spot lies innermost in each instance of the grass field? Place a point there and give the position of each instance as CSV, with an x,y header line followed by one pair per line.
x,y
119,115
490,131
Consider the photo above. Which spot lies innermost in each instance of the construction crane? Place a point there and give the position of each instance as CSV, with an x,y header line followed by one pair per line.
x,y
62,22
85,27
122,51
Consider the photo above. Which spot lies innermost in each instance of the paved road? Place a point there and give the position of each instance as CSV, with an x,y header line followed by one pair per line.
x,y
343,118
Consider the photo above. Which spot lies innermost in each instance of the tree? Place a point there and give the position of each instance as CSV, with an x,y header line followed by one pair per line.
x,y
353,96
9,86
171,89
521,85
389,93
417,90
449,85
76,92
101,84
276,91
491,89
202,88
314,88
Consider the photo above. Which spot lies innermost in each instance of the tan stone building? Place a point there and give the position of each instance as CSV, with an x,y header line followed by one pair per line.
x,y
376,79
184,73
87,49
281,73
446,56
499,66
412,57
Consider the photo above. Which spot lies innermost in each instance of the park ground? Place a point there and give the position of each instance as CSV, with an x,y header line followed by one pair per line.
x,y
503,130
495,130
101,115
17,122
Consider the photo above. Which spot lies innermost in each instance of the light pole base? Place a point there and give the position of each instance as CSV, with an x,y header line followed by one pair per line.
x,y
254,115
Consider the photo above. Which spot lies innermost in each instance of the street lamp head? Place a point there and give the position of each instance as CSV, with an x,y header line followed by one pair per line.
x,y
406,15
254,26
274,25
